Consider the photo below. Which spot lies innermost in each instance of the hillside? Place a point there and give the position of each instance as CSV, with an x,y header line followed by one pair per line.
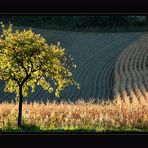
x,y
95,55
131,71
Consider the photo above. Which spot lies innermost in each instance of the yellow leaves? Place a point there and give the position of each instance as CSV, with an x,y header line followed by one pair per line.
x,y
10,86
25,90
69,74
24,53
78,86
57,93
50,89
44,84
1,42
74,65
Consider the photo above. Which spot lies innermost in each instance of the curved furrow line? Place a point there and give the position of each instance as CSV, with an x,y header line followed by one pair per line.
x,y
76,75
107,69
103,78
81,85
92,77
44,97
10,97
140,65
85,73
99,71
111,83
122,88
85,68
90,80
140,86
75,52
140,70
118,74
34,96
70,41
117,78
2,86
42,93
86,50
136,90
83,65
99,63
120,78
108,78
3,94
126,83
37,94
128,65
6,96
104,54
136,86
145,68
31,95
131,69
82,73
114,54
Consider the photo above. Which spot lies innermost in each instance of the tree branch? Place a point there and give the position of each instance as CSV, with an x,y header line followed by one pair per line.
x,y
14,78
22,64
25,79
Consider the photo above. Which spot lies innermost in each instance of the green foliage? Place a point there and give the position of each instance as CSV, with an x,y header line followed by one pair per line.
x,y
26,59
79,23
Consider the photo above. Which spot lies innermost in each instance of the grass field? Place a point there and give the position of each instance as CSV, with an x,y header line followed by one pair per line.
x,y
111,69
117,115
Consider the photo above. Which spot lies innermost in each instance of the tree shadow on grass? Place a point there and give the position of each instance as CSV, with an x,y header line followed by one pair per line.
x,y
26,128
23,128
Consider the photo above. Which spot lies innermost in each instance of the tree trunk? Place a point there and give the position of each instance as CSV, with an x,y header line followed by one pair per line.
x,y
20,106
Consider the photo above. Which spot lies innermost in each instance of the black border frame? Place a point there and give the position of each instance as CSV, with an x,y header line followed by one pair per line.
x,y
76,7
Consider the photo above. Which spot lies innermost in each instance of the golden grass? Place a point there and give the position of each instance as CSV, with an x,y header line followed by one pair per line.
x,y
110,114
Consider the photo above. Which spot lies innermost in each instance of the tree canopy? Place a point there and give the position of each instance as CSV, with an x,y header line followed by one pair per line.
x,y
27,59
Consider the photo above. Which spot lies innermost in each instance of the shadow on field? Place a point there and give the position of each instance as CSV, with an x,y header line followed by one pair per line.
x,y
23,128
26,128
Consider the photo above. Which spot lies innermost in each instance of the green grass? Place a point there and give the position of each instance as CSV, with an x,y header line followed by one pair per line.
x,y
33,128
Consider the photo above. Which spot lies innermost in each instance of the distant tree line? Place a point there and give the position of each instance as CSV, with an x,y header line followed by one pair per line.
x,y
80,23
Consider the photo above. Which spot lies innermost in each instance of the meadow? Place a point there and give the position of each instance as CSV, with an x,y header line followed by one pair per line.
x,y
113,76
117,115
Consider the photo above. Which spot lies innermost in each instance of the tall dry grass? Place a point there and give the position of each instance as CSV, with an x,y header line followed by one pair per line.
x,y
110,114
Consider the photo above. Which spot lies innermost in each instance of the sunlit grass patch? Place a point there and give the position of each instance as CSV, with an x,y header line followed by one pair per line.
x,y
117,115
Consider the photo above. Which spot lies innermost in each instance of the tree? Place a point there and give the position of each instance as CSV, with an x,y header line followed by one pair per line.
x,y
27,60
